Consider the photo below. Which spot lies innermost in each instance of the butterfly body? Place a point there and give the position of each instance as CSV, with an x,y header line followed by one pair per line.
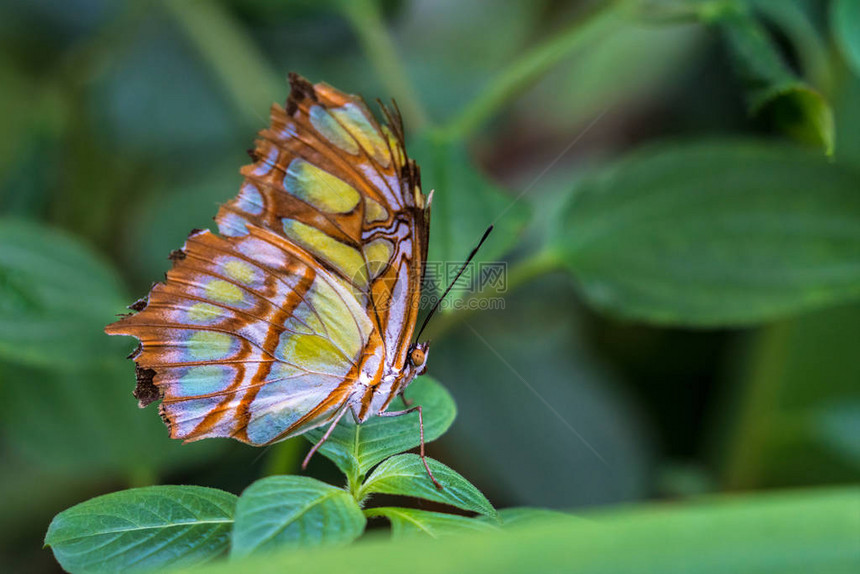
x,y
304,307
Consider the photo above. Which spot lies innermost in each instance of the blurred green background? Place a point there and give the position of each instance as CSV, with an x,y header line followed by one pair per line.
x,y
124,124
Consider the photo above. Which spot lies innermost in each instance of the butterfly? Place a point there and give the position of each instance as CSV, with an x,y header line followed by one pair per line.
x,y
304,306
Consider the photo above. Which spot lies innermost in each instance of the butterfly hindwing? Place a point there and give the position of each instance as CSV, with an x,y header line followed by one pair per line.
x,y
258,334
238,322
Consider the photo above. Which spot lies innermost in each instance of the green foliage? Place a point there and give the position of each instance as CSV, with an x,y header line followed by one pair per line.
x,y
811,431
79,419
143,529
772,88
124,131
82,421
405,474
722,233
519,516
407,522
294,510
844,16
155,526
38,312
355,449
785,534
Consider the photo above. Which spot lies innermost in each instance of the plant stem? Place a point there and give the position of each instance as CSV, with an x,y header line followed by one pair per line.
x,y
366,19
522,73
251,84
142,475
284,457
760,389
540,264
354,486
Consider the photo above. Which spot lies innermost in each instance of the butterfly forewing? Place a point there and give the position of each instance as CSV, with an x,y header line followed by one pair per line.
x,y
259,334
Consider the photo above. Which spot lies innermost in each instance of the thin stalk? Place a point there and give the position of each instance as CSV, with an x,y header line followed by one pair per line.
x,y
752,428
369,25
354,484
525,71
142,475
284,457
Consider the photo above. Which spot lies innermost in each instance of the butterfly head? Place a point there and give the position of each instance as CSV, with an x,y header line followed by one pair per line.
x,y
417,362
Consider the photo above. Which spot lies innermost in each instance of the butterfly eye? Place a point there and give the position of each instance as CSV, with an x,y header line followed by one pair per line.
x,y
417,357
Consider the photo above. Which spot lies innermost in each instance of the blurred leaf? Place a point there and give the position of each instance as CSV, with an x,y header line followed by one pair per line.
x,y
163,220
293,510
465,202
35,115
86,420
263,11
792,420
632,68
772,88
801,112
31,499
794,533
155,96
65,20
797,19
520,73
844,18
714,233
355,449
541,423
16,99
56,296
436,59
839,427
847,108
407,522
524,515
143,529
405,475
377,43
232,56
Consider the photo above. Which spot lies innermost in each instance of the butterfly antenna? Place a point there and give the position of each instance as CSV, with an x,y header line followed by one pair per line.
x,y
457,276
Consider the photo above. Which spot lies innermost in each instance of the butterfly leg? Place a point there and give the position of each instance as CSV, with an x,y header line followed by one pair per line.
x,y
406,402
420,434
323,439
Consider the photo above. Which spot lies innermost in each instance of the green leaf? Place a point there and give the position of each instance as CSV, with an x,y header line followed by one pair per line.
x,y
844,18
56,296
797,22
143,529
355,449
524,515
719,233
464,204
294,510
789,533
411,521
801,112
772,88
405,474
